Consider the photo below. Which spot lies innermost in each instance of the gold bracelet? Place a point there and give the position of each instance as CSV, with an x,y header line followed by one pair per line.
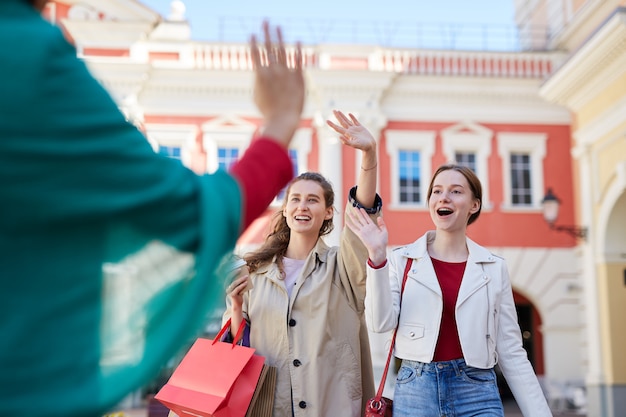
x,y
369,169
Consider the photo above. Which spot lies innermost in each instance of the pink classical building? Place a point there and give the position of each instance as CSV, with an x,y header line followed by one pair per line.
x,y
426,106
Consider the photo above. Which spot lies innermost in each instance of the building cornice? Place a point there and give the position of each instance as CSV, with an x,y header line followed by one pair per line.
x,y
482,100
583,24
128,10
594,66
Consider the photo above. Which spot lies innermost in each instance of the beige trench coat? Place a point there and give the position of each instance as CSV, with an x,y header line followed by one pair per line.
x,y
318,339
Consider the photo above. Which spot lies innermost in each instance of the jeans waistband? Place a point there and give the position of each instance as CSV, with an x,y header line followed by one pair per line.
x,y
455,365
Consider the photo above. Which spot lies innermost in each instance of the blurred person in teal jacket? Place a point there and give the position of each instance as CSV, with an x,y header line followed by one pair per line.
x,y
109,250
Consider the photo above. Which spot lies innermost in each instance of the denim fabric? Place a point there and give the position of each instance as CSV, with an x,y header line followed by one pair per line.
x,y
450,389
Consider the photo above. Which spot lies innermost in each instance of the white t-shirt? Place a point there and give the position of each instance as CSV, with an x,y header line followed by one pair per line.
x,y
292,267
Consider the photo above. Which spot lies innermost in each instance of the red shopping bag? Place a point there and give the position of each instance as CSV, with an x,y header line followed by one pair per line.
x,y
214,379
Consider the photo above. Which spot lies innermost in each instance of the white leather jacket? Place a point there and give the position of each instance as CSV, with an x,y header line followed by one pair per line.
x,y
485,313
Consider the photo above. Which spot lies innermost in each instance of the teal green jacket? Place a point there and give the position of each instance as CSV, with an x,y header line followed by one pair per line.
x,y
107,250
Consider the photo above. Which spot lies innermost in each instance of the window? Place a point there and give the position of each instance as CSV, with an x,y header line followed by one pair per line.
x,y
409,177
173,140
226,157
170,151
223,148
521,188
469,144
298,153
522,157
224,140
410,153
293,155
466,159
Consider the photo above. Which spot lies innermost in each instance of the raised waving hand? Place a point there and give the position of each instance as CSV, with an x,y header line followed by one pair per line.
x,y
279,88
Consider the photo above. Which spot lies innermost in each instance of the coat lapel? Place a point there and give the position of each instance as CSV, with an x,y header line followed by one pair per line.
x,y
318,254
422,269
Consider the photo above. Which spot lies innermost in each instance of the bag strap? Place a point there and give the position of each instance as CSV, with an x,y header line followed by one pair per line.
x,y
226,327
381,386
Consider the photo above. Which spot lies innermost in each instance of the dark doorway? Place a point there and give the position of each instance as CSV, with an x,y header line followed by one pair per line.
x,y
530,323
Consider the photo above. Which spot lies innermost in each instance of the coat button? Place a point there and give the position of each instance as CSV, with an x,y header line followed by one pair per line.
x,y
292,322
412,334
302,404
296,363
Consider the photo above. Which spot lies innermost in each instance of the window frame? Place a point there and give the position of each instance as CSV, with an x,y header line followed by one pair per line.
x,y
181,136
473,139
422,141
216,137
533,144
301,143
232,159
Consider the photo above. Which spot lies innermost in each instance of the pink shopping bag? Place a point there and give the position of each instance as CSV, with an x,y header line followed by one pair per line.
x,y
214,379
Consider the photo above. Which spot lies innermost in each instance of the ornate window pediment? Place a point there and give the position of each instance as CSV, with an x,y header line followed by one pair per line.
x,y
469,143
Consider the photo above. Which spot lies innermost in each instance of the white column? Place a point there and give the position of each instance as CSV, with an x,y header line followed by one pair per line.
x,y
595,371
330,166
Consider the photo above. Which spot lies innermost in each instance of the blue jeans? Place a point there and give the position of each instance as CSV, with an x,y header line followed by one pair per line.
x,y
450,389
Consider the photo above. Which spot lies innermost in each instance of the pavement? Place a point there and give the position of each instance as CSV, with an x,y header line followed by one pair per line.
x,y
510,410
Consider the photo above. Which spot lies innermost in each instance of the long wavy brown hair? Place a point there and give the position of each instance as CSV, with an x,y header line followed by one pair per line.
x,y
277,241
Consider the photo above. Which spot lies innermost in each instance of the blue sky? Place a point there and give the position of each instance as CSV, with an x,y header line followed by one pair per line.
x,y
371,21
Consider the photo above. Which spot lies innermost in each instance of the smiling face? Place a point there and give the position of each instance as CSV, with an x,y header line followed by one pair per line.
x,y
452,201
305,208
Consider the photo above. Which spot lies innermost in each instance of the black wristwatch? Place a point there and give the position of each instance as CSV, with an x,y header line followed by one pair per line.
x,y
378,202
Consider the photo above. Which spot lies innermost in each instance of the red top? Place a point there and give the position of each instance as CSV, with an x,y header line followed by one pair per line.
x,y
263,170
449,276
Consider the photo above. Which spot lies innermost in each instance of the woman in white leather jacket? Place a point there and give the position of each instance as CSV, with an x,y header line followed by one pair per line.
x,y
458,317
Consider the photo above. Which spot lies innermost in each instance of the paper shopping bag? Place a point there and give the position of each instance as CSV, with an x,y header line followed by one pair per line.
x,y
262,403
214,379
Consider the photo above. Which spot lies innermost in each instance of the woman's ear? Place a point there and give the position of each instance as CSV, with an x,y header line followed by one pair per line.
x,y
475,207
330,211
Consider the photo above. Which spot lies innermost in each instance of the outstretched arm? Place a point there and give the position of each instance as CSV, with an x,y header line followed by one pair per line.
x,y
278,88
279,91
355,135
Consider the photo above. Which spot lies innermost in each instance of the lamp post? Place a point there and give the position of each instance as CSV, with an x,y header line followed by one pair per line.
x,y
550,205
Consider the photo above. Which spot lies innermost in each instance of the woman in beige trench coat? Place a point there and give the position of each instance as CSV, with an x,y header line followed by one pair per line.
x,y
304,312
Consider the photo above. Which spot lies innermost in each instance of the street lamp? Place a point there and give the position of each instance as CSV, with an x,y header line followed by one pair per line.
x,y
550,205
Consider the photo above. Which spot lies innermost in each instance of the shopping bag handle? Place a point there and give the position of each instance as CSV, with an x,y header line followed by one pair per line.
x,y
227,326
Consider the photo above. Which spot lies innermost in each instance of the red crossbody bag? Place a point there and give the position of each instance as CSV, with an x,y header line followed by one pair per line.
x,y
380,406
